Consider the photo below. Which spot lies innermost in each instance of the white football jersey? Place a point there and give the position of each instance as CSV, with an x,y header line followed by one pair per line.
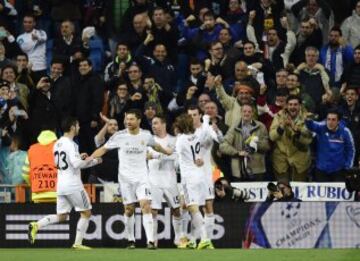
x,y
188,149
132,154
162,172
68,162
207,136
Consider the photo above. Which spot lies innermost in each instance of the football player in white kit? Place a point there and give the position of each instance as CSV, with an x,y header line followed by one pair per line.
x,y
188,149
132,145
70,189
207,135
162,177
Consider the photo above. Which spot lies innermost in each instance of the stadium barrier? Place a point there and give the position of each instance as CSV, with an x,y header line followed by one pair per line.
x,y
306,191
247,225
109,192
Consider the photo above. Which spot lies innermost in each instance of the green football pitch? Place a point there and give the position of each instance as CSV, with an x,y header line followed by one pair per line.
x,y
102,254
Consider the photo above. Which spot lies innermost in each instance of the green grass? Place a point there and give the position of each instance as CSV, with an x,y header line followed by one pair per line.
x,y
102,254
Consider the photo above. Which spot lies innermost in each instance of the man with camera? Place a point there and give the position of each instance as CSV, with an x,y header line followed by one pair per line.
x,y
247,144
281,192
224,191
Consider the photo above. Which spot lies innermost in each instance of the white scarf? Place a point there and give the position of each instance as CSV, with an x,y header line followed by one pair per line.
x,y
338,62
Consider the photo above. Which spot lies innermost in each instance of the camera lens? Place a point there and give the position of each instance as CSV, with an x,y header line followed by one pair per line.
x,y
272,187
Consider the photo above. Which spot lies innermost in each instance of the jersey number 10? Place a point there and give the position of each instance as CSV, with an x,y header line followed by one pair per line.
x,y
195,150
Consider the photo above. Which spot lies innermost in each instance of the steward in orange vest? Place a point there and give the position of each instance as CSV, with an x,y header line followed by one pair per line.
x,y
40,170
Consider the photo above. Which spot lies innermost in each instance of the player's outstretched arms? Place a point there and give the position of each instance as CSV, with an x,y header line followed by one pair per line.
x,y
99,152
78,162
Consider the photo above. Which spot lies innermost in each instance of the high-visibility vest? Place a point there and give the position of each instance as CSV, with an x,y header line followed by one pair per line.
x,y
43,172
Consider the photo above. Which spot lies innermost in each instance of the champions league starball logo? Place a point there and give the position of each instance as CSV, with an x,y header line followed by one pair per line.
x,y
290,212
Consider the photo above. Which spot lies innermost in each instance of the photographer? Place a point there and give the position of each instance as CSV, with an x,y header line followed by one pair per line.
x,y
281,192
224,191
352,182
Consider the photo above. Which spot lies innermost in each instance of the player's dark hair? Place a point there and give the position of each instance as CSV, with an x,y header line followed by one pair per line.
x,y
135,112
67,123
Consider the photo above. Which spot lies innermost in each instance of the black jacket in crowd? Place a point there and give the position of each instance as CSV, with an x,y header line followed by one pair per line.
x,y
88,98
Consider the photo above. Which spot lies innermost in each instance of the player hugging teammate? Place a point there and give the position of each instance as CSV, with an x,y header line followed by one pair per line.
x,y
146,175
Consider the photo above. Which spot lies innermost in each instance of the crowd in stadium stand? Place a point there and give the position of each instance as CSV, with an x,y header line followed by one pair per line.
x,y
279,78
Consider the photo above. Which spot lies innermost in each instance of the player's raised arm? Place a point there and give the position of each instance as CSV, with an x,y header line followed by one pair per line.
x,y
112,143
213,132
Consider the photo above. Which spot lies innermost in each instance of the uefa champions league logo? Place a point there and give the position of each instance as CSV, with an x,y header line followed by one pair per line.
x,y
290,212
354,215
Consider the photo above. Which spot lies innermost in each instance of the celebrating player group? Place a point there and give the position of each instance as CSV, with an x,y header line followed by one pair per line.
x,y
147,175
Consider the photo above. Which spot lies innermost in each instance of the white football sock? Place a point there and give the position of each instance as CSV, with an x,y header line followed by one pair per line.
x,y
148,224
47,220
130,227
185,217
178,228
199,225
155,228
81,228
209,224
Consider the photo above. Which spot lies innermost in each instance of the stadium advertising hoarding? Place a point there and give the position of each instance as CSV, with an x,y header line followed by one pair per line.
x,y
106,228
306,191
256,225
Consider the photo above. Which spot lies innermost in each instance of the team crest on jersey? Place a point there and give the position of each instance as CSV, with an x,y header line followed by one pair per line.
x,y
142,142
